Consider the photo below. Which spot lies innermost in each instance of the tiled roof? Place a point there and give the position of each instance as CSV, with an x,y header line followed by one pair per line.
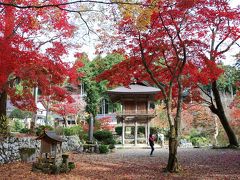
x,y
134,89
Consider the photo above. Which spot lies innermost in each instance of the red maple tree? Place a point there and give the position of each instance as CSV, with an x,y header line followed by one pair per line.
x,y
32,43
166,49
67,108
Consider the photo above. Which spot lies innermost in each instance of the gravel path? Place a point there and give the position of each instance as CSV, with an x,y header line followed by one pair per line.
x,y
137,164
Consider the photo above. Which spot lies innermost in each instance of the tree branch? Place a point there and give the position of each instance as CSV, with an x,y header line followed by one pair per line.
x,y
73,2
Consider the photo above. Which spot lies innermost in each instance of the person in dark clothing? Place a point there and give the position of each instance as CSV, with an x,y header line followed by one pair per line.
x,y
151,143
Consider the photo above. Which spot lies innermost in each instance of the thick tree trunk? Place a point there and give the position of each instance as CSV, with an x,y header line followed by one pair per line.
x,y
219,111
173,165
3,103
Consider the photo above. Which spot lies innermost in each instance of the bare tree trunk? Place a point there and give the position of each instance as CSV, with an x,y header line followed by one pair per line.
x,y
173,165
3,103
65,121
216,131
219,111
34,116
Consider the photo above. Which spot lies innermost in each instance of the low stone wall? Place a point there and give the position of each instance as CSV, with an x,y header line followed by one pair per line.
x,y
72,143
9,147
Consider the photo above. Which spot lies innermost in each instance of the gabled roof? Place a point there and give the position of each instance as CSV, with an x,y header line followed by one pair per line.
x,y
50,135
134,89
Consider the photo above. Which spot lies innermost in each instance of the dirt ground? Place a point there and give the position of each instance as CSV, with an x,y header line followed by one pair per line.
x,y
137,164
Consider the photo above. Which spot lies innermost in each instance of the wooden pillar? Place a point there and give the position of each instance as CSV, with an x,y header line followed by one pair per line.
x,y
135,135
123,132
148,129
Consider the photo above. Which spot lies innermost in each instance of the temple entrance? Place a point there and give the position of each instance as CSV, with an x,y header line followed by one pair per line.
x,y
136,111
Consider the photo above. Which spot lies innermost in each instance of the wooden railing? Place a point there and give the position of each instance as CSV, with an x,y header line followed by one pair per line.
x,y
138,112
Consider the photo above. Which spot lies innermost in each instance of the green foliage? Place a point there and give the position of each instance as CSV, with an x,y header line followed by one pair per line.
x,y
17,113
102,135
40,129
198,139
109,141
4,127
118,130
105,137
227,81
54,169
93,89
111,146
25,130
74,130
71,165
103,149
84,136
64,168
18,125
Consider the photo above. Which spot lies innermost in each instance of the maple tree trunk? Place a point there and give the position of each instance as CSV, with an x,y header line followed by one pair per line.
x,y
173,165
219,111
3,103
65,122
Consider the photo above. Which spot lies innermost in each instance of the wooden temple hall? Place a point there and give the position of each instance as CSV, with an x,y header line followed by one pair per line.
x,y
137,110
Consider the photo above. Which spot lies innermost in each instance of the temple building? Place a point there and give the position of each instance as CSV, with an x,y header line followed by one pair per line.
x,y
137,110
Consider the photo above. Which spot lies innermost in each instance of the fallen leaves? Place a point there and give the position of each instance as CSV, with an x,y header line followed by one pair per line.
x,y
136,164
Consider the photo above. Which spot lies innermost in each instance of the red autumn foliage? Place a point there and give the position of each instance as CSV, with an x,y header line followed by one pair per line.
x,y
235,111
66,108
178,31
30,56
103,123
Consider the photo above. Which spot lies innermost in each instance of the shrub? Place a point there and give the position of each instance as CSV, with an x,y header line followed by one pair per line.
x,y
197,138
118,130
74,130
54,169
102,135
40,129
24,130
18,125
84,136
199,141
103,149
4,127
111,146
64,168
71,165
109,141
